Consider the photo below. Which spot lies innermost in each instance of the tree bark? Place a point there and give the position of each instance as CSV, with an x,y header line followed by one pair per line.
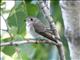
x,y
71,16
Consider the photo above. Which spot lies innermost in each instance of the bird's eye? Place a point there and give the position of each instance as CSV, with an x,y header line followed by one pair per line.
x,y
31,19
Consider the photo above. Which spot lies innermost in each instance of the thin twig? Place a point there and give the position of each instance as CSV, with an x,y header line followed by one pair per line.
x,y
27,41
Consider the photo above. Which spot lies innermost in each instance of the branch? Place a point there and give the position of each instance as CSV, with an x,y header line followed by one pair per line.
x,y
27,41
60,48
46,13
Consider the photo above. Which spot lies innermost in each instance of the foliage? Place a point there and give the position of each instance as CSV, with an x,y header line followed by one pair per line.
x,y
16,23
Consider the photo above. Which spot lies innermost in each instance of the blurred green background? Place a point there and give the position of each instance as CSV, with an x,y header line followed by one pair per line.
x,y
17,28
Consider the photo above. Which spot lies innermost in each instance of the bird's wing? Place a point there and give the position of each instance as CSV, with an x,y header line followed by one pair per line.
x,y
40,29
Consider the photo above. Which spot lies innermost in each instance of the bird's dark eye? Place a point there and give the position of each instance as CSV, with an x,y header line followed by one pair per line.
x,y
31,19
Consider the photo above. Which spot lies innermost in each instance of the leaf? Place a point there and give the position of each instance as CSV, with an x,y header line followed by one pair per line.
x,y
32,9
16,19
9,50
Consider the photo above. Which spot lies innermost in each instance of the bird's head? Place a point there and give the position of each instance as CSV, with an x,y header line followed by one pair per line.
x,y
31,20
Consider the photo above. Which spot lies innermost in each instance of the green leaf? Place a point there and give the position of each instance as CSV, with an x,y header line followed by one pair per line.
x,y
32,9
9,50
17,20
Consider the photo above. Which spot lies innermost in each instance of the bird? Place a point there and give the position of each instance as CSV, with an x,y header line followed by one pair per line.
x,y
37,29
